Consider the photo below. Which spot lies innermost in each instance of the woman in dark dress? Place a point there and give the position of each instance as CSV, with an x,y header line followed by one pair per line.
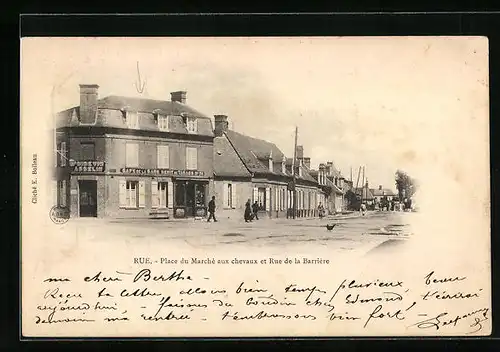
x,y
248,211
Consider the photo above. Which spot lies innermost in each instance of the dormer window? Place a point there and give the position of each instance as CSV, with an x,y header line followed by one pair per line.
x,y
163,122
132,119
300,170
192,124
283,166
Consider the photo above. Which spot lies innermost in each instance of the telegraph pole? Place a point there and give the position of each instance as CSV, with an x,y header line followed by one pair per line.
x,y
294,192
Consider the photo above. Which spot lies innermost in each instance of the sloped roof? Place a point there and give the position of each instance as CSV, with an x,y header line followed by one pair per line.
x,y
382,192
306,172
226,161
147,105
367,194
69,117
254,153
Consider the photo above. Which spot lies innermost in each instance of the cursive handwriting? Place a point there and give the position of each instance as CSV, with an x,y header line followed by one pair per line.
x,y
145,275
429,279
438,321
385,315
148,296
262,315
445,295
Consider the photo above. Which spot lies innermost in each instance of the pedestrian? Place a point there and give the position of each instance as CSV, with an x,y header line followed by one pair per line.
x,y
255,208
248,211
321,211
211,210
363,209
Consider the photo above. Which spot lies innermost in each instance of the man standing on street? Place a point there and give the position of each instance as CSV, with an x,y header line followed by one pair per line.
x,y
211,210
255,208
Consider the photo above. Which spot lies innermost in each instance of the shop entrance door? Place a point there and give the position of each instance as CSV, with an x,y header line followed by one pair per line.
x,y
88,198
190,199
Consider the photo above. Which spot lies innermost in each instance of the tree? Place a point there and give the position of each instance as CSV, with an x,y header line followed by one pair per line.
x,y
405,185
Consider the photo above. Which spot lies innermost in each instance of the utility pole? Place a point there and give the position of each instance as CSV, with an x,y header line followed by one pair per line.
x,y
294,192
363,192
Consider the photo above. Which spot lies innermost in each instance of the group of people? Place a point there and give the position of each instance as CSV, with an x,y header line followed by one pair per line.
x,y
251,210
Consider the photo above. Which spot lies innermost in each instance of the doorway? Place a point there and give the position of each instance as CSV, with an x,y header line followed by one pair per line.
x,y
88,198
190,199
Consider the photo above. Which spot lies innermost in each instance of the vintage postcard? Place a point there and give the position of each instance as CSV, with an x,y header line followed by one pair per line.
x,y
255,187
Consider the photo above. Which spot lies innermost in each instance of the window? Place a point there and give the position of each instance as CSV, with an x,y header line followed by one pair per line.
x,y
61,193
131,194
61,154
271,164
161,195
132,119
163,157
229,195
87,150
163,123
132,155
261,198
191,158
192,124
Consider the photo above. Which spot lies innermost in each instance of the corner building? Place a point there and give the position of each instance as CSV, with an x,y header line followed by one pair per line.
x,y
125,157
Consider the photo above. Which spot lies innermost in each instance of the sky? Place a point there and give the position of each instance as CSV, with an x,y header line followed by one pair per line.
x,y
381,103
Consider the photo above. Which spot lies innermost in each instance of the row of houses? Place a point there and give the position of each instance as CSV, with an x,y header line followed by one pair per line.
x,y
132,157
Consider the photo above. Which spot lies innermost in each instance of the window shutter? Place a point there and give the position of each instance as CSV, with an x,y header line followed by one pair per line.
x,y
55,192
233,194
255,194
142,194
194,163
154,194
170,194
268,199
226,195
63,193
63,153
163,156
132,155
123,193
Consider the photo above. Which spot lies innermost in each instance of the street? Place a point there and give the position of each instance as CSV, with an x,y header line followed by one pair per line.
x,y
351,232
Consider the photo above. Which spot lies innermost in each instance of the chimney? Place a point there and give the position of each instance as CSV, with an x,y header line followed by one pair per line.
x,y
329,168
300,152
380,187
221,125
88,102
179,96
307,162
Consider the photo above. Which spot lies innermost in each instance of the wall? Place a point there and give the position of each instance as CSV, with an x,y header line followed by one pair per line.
x,y
243,192
115,153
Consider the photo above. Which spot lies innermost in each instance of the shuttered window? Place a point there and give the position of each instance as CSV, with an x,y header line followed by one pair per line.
x,y
229,195
192,124
163,123
132,155
132,120
191,158
163,156
159,194
129,194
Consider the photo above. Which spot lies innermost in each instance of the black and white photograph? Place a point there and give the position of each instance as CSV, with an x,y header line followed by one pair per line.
x,y
251,186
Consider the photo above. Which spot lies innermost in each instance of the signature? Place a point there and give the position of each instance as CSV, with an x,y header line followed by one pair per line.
x,y
442,320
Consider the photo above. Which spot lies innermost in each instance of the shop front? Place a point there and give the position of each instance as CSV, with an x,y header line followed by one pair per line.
x,y
190,197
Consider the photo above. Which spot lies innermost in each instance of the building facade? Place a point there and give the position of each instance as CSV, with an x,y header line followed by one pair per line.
x,y
133,157
255,170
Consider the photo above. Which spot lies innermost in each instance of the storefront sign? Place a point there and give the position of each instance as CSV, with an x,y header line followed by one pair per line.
x,y
87,166
161,172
